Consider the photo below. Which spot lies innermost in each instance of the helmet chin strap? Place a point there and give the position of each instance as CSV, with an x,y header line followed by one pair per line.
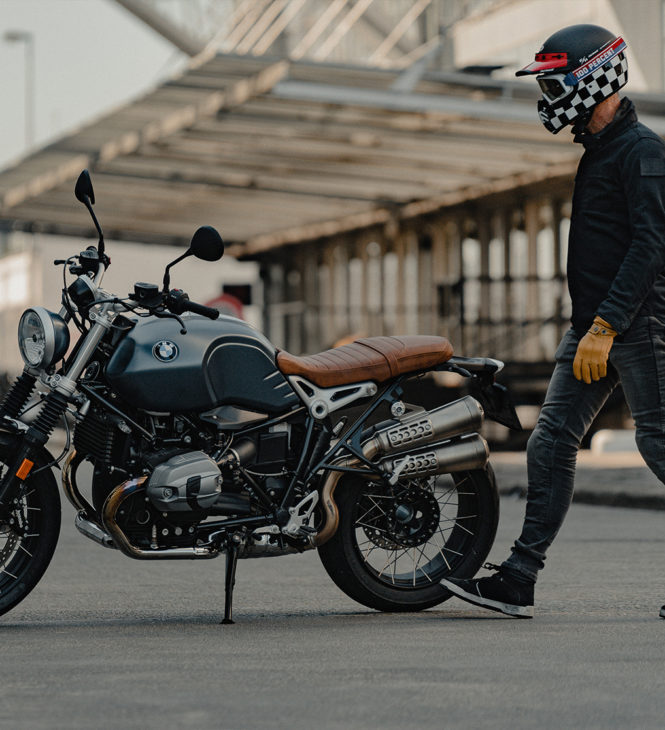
x,y
579,126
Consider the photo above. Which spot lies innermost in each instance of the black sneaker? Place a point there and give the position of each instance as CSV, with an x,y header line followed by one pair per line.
x,y
662,612
498,592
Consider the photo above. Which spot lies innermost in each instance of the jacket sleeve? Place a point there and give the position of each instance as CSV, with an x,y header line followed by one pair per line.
x,y
643,179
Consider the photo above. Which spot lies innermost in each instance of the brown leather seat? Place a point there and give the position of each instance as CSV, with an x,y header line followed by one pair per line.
x,y
372,358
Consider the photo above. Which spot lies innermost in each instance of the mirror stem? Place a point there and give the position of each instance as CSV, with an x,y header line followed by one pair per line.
x,y
88,205
167,277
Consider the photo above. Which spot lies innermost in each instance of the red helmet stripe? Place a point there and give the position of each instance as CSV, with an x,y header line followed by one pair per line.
x,y
541,66
563,57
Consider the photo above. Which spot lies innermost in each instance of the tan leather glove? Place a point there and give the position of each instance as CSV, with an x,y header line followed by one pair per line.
x,y
593,350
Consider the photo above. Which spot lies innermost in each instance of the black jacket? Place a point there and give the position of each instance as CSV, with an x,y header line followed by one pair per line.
x,y
616,245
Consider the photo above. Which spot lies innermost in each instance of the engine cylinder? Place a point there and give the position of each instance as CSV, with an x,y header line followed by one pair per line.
x,y
185,482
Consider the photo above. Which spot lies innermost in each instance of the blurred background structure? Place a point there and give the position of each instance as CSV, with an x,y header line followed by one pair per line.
x,y
373,165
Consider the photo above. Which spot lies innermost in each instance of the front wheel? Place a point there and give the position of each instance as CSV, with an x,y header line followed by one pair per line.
x,y
395,544
28,532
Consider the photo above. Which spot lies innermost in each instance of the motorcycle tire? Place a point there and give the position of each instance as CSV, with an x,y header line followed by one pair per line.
x,y
393,545
30,531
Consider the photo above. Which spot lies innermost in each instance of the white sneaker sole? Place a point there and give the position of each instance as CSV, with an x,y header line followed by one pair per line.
x,y
507,608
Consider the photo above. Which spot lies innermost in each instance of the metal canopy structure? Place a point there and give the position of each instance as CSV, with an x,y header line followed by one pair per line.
x,y
372,32
274,151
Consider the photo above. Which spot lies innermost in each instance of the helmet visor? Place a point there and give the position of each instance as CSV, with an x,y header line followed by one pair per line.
x,y
554,86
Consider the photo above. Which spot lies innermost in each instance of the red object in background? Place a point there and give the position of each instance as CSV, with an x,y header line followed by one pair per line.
x,y
227,304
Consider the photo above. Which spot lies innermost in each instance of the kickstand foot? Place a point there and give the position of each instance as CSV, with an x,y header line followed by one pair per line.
x,y
230,581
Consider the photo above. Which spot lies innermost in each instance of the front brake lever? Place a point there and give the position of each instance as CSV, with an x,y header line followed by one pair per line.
x,y
170,315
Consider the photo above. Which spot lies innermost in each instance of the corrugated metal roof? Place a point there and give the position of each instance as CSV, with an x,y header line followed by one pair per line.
x,y
271,152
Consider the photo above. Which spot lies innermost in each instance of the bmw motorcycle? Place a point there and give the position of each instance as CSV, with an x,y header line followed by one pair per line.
x,y
202,439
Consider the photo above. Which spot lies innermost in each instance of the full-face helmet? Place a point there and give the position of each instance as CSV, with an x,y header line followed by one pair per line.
x,y
577,68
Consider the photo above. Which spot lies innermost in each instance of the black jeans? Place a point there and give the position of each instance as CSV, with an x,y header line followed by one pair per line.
x,y
637,361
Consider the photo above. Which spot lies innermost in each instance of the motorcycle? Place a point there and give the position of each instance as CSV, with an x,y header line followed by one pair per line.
x,y
204,439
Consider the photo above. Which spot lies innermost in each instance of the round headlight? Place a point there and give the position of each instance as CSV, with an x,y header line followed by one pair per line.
x,y
43,337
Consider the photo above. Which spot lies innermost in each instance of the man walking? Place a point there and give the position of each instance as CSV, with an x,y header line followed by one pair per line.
x,y
616,279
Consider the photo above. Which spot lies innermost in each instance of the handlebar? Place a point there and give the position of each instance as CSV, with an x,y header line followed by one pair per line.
x,y
196,308
178,302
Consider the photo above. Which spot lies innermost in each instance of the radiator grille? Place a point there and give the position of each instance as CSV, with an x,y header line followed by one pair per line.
x,y
94,436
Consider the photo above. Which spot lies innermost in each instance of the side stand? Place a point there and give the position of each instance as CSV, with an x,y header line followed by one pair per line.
x,y
230,580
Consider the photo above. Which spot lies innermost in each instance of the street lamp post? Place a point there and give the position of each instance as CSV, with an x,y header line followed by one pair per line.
x,y
27,38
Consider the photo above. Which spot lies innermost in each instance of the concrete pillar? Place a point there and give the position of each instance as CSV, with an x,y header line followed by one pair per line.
x,y
273,281
327,295
400,293
311,324
390,276
363,256
484,236
531,227
375,250
425,293
506,223
559,273
355,272
439,273
345,273
339,267
454,292
411,283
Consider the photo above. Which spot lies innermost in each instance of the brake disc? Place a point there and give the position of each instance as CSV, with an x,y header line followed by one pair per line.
x,y
407,519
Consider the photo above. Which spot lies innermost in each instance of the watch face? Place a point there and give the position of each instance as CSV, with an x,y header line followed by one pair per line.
x,y
165,350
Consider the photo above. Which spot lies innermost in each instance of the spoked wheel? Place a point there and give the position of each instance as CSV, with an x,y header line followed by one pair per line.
x,y
28,532
394,544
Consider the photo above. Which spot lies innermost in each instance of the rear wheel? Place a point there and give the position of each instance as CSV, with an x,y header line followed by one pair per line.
x,y
28,532
394,544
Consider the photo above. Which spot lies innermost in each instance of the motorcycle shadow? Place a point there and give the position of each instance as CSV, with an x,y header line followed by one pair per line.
x,y
252,619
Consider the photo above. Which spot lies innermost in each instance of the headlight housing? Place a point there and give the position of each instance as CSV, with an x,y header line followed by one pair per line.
x,y
43,337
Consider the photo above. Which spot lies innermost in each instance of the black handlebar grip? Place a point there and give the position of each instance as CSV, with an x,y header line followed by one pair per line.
x,y
190,306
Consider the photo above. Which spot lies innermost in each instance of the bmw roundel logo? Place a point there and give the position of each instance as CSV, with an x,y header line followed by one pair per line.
x,y
165,350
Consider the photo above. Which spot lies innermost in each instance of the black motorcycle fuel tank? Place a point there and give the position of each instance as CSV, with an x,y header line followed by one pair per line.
x,y
217,362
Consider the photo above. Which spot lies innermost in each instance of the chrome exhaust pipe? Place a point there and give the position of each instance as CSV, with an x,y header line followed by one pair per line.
x,y
93,531
461,416
468,453
453,419
471,452
121,541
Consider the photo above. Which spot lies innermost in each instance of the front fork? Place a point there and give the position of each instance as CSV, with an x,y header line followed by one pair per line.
x,y
18,394
31,444
55,405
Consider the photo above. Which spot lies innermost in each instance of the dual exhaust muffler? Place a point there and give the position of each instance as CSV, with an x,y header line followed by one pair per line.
x,y
453,419
412,434
467,453
463,416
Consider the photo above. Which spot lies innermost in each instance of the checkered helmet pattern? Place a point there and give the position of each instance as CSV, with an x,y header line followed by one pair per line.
x,y
588,91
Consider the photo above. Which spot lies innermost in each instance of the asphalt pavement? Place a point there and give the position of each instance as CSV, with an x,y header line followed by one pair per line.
x,y
107,642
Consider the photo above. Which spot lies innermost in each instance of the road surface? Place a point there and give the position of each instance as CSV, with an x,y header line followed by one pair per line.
x,y
106,642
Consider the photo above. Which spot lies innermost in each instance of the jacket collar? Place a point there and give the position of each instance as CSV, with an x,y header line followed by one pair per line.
x,y
624,118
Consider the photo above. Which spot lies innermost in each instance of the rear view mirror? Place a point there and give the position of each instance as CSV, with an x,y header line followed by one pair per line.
x,y
84,189
207,244
84,193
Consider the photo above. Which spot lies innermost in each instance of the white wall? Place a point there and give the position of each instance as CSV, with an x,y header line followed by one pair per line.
x,y
130,262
